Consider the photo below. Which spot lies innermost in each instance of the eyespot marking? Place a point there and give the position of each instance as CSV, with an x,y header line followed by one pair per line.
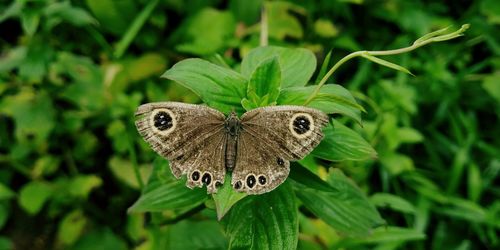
x,y
280,161
163,121
237,185
251,181
262,180
301,125
195,176
206,179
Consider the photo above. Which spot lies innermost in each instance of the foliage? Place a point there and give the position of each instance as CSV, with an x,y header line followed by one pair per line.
x,y
406,163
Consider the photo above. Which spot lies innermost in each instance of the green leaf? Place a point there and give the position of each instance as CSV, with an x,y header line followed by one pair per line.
x,y
114,16
387,64
33,195
4,213
221,25
331,99
226,197
297,65
71,227
341,143
81,185
5,192
383,235
187,235
338,202
33,113
264,85
74,15
267,221
281,22
219,87
6,243
101,238
394,202
165,192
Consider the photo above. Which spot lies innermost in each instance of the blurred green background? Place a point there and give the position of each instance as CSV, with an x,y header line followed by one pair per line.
x,y
73,72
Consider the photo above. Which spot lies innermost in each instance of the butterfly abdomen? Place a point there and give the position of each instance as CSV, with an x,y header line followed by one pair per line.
x,y
233,127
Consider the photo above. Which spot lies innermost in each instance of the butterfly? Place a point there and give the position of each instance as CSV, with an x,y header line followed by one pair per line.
x,y
205,145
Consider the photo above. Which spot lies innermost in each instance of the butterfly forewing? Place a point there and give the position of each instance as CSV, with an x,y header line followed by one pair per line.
x,y
190,136
270,137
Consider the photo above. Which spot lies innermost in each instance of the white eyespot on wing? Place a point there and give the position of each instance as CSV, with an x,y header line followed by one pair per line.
x,y
301,125
163,121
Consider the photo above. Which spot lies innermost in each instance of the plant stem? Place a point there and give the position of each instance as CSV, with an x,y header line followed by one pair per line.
x,y
424,40
134,28
264,32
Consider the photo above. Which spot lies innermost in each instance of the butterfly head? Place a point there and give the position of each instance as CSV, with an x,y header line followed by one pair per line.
x,y
233,123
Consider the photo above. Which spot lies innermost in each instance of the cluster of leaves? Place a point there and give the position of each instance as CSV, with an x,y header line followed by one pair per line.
x,y
71,162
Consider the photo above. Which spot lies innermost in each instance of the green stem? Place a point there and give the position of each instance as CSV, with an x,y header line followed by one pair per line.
x,y
134,29
264,32
135,165
436,36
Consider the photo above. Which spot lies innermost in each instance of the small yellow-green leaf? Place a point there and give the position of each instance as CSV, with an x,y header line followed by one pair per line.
x,y
387,64
226,197
33,195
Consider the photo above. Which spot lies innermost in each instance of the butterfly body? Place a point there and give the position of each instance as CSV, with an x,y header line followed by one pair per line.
x,y
255,148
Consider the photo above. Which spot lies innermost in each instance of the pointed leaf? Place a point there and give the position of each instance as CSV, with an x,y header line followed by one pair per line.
x,y
297,65
342,206
387,64
267,221
165,192
265,81
226,197
332,99
342,143
219,87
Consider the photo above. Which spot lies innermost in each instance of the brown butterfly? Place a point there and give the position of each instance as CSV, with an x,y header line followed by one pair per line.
x,y
204,144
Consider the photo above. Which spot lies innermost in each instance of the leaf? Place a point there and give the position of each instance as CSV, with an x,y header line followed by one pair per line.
x,y
221,25
226,197
281,22
5,192
297,65
332,99
341,143
187,235
100,238
342,206
267,221
81,185
71,227
387,64
74,15
33,195
114,16
394,202
33,113
219,87
264,85
383,235
164,192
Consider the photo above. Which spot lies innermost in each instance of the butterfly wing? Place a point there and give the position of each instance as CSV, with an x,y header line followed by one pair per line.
x,y
190,136
270,138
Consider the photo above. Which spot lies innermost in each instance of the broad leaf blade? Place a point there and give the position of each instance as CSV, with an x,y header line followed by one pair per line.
x,y
266,221
297,65
332,99
265,81
226,197
342,143
219,87
164,192
344,207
